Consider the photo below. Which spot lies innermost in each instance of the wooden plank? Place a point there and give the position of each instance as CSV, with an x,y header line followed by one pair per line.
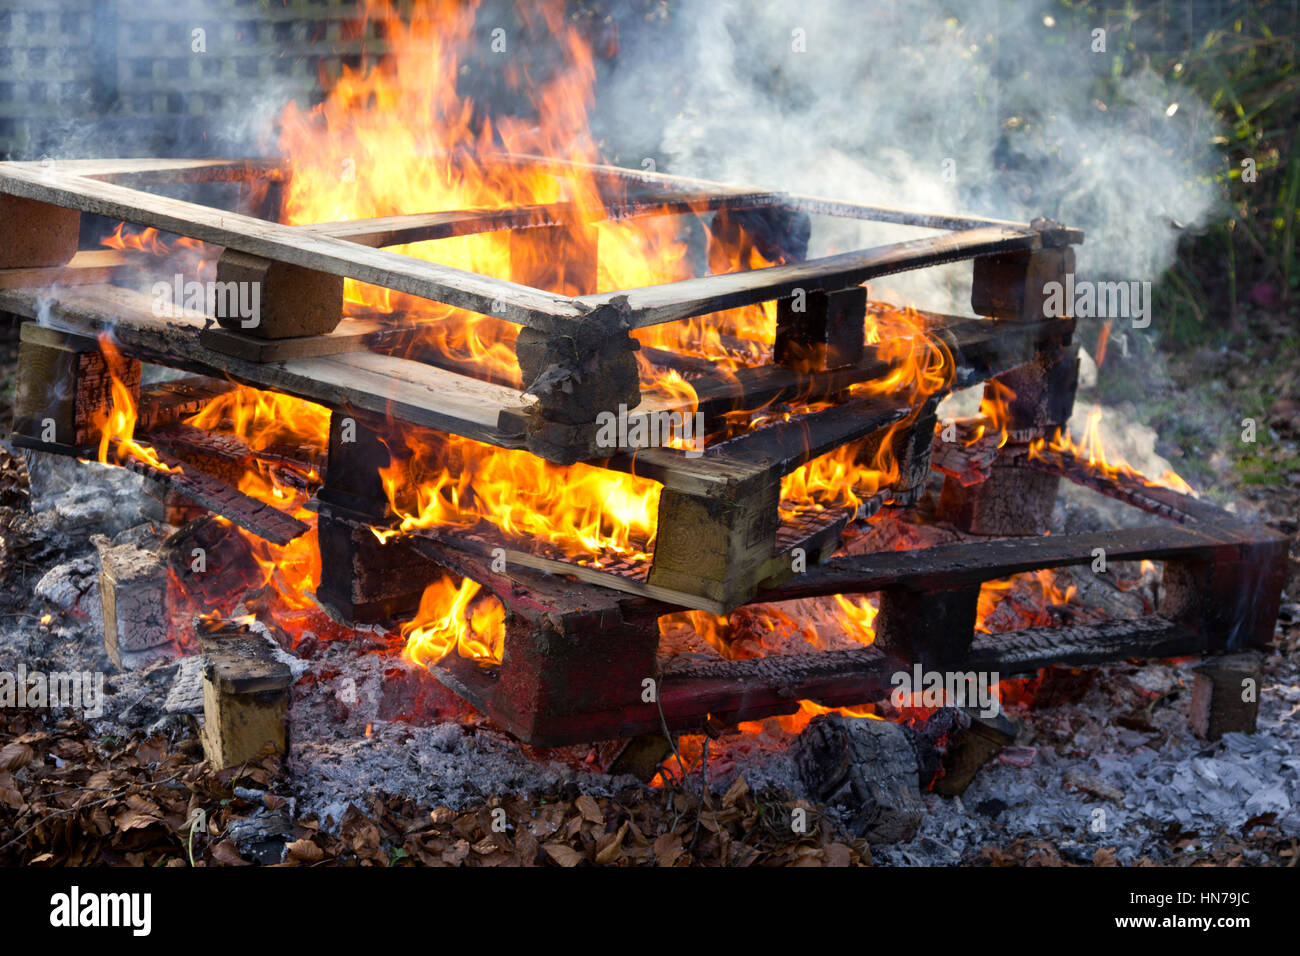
x,y
815,205
351,335
86,267
151,172
409,391
420,227
654,305
961,565
1025,651
468,290
785,446
691,690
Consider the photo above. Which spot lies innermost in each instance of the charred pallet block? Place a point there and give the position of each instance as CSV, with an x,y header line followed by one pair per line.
x,y
715,547
1014,285
1038,396
65,388
868,769
574,653
1011,500
36,233
1225,695
821,330
932,628
140,623
576,379
268,299
245,695
362,578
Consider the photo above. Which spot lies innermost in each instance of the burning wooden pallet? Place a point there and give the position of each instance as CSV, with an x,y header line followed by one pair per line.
x,y
578,652
575,351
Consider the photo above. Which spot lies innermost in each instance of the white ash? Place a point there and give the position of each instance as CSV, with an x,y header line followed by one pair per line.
x,y
186,693
73,588
1152,780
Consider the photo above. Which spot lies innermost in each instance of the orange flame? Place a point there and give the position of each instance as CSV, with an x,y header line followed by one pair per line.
x,y
1092,451
449,619
117,425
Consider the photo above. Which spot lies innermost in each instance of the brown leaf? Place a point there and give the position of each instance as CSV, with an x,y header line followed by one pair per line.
x,y
526,846
739,787
101,780
590,809
1105,857
668,847
562,854
610,847
457,853
135,820
16,756
226,854
837,854
304,851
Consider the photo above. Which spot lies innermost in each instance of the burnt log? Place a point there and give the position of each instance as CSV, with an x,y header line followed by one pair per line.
x,y
867,769
1225,695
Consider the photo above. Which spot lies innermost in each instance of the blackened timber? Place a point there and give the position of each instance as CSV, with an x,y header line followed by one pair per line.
x,y
784,446
217,496
654,305
1021,652
960,565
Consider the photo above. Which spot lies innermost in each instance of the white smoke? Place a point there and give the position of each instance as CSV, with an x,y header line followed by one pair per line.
x,y
984,107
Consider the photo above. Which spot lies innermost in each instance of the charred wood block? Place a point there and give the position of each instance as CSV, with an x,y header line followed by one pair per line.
x,y
913,449
1225,696
275,300
1009,502
816,331
1042,392
583,661
1231,599
356,453
868,769
969,748
716,548
934,629
245,696
576,379
641,756
559,258
364,580
1014,285
140,617
36,233
64,391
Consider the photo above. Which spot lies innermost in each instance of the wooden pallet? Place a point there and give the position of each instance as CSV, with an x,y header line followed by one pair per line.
x,y
1222,579
368,364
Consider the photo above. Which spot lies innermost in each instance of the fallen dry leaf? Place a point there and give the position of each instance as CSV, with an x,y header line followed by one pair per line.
x,y
562,854
16,756
612,846
590,809
304,851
